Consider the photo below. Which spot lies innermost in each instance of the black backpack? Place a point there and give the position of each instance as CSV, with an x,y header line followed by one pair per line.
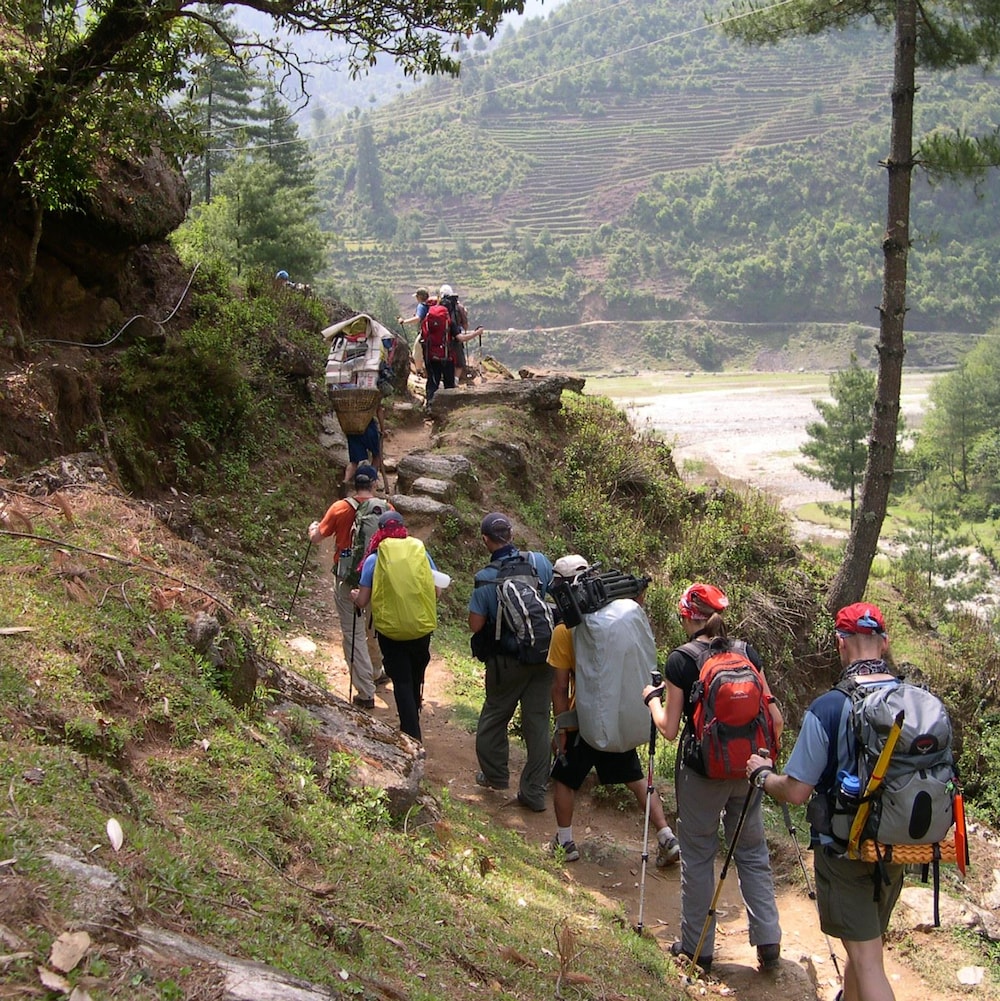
x,y
523,627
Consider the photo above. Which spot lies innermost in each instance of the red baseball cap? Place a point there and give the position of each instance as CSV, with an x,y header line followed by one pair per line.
x,y
861,617
700,601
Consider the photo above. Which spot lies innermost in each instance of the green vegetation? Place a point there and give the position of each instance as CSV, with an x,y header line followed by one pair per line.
x,y
683,175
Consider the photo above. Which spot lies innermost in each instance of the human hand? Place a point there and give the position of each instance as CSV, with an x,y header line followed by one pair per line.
x,y
758,765
652,691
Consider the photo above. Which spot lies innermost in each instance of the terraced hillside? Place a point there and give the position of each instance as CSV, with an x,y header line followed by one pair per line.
x,y
518,183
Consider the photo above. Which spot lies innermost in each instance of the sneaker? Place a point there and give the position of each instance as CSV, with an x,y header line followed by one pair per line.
x,y
568,848
530,806
363,703
482,780
769,956
705,962
668,853
383,679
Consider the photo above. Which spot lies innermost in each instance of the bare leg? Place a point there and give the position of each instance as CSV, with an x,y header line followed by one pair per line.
x,y
864,974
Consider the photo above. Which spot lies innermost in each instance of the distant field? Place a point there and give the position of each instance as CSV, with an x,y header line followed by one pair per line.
x,y
743,426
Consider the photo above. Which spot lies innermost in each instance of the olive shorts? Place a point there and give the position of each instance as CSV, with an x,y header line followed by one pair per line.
x,y
845,890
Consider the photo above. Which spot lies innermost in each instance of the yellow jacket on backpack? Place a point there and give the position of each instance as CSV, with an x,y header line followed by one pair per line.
x,y
404,603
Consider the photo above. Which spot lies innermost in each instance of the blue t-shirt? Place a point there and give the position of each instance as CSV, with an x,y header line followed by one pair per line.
x,y
484,599
825,744
368,568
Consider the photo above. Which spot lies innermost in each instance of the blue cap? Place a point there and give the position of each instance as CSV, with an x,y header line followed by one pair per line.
x,y
365,475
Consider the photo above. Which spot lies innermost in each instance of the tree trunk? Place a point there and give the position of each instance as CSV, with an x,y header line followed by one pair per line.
x,y
851,579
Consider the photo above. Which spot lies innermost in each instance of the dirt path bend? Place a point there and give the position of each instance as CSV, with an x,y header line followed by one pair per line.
x,y
611,839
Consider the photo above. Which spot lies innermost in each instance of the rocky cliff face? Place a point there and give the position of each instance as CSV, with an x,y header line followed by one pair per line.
x,y
97,264
77,277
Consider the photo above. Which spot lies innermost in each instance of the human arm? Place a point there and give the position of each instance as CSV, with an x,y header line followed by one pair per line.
x,y
361,596
560,705
666,716
468,335
783,788
323,529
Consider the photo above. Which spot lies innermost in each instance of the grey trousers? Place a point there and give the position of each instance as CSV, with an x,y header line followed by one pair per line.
x,y
700,802
366,648
509,682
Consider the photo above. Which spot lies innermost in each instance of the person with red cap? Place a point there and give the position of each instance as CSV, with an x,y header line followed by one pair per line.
x,y
701,800
824,749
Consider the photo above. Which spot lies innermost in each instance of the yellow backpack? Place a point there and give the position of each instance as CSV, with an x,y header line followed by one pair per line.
x,y
404,603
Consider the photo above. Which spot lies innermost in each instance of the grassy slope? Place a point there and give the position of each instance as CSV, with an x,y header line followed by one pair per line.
x,y
230,834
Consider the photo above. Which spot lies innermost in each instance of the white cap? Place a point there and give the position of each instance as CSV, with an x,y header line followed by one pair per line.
x,y
569,566
445,290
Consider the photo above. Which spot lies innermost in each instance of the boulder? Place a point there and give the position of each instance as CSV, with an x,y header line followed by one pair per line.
x,y
383,757
439,490
456,468
534,394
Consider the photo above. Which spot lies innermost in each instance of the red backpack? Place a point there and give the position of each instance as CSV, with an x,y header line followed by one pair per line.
x,y
435,331
731,720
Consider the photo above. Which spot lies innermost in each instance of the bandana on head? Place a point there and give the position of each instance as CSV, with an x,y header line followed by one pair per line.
x,y
394,530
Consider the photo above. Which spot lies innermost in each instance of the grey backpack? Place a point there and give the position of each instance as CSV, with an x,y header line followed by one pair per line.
x,y
913,805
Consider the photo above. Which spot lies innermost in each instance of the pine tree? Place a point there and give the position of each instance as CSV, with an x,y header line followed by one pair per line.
x,y
838,445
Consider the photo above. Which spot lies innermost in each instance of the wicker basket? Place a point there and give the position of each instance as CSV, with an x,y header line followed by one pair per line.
x,y
354,408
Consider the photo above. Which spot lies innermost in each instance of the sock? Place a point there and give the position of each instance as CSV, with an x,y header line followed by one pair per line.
x,y
564,834
664,834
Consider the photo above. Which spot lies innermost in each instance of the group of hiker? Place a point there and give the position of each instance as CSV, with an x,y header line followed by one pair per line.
x,y
443,324
569,642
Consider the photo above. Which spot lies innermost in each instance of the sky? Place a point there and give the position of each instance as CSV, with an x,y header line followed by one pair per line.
x,y
331,90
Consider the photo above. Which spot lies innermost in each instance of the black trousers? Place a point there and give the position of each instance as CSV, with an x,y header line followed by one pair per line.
x,y
438,372
405,661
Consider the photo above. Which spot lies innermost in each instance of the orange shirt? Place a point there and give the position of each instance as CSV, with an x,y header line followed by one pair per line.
x,y
339,520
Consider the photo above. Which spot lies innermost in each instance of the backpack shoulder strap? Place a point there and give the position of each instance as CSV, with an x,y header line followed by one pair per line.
x,y
354,502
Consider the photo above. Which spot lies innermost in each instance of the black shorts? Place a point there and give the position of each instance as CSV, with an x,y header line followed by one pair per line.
x,y
613,767
458,354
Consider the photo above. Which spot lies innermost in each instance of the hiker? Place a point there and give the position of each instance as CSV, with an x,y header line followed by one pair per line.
x,y
823,749
437,331
701,800
575,758
365,447
396,580
511,680
361,651
419,353
460,332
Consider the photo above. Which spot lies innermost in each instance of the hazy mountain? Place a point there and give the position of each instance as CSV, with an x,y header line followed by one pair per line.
x,y
623,160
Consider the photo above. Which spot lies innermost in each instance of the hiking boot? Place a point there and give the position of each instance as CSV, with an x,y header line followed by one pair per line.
x,y
668,852
769,956
362,703
678,950
530,806
482,780
568,848
383,679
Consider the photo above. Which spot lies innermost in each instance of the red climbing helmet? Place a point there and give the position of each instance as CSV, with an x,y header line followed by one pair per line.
x,y
700,601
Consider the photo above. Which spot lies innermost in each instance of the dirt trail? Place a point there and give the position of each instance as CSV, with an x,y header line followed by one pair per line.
x,y
611,839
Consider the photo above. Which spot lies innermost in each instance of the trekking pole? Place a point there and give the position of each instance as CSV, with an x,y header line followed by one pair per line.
x,y
350,667
657,681
809,890
302,570
691,978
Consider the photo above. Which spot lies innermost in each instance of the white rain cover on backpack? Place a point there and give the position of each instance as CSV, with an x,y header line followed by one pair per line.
x,y
615,656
